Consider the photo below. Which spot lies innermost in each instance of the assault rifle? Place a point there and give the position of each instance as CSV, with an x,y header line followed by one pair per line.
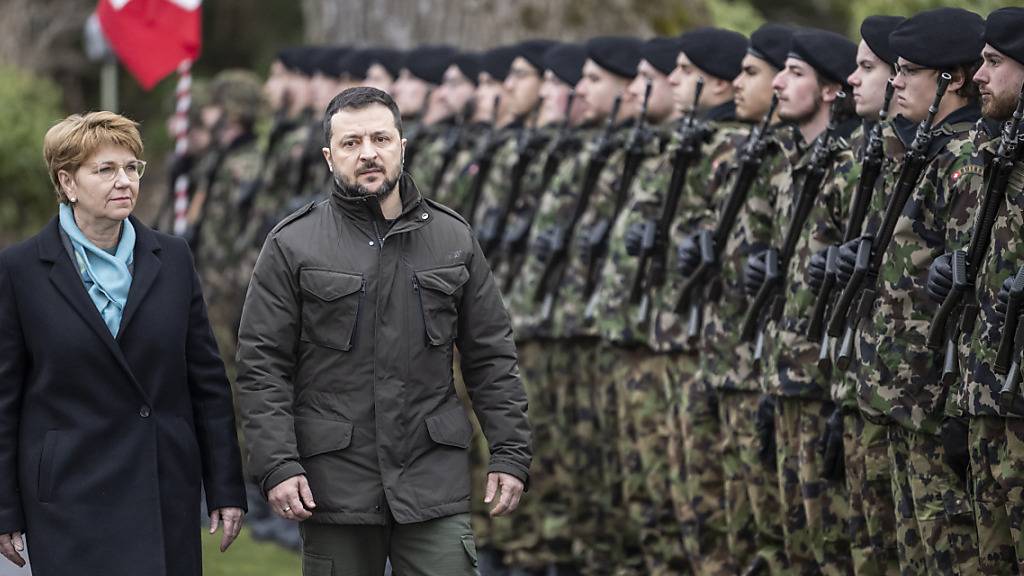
x,y
871,168
871,250
712,243
959,310
482,159
549,286
599,233
414,135
770,297
650,270
1011,349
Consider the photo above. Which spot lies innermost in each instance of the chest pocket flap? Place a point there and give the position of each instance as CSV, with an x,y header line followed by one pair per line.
x,y
439,292
330,307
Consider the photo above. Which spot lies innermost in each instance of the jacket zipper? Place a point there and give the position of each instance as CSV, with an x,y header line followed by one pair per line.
x,y
423,310
359,309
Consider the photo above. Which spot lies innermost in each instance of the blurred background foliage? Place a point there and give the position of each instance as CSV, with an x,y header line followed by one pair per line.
x,y
45,75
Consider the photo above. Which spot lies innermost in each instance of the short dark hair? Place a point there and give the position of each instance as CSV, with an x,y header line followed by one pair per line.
x,y
357,99
969,90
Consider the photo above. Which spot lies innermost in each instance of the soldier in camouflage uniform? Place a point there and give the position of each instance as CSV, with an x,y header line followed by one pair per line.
x,y
580,376
872,516
751,489
414,91
643,404
899,377
667,415
562,465
997,478
813,498
217,218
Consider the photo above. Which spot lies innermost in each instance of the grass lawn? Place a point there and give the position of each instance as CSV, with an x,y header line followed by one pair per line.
x,y
247,557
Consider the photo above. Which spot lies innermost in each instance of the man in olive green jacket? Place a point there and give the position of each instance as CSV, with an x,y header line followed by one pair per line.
x,y
345,364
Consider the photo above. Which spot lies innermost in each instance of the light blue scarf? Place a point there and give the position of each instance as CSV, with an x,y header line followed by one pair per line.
x,y
107,277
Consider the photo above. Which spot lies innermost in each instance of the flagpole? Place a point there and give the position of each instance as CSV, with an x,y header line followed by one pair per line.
x,y
183,100
108,84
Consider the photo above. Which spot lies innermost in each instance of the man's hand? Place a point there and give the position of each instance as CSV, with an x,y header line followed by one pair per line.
x,y
11,544
231,518
511,489
292,499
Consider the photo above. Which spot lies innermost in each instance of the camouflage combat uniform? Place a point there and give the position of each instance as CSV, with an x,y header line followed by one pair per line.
x,y
996,434
901,376
751,485
814,506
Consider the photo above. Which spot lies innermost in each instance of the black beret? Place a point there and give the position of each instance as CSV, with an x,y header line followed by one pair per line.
x,y
661,53
1004,31
533,51
356,62
831,55
497,61
875,31
469,64
940,38
428,63
311,58
289,57
390,59
771,43
566,62
616,54
334,60
717,51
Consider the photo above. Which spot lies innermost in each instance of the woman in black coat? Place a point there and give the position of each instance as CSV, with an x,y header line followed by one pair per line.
x,y
115,411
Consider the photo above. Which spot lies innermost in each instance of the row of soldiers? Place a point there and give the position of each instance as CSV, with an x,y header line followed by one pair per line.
x,y
765,290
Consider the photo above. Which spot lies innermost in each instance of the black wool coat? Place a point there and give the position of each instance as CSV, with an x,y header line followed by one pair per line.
x,y
105,445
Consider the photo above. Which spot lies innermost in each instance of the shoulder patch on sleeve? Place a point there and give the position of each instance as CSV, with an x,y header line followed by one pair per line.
x,y
446,210
295,215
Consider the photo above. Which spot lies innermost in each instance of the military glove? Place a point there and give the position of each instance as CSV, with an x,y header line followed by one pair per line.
x,y
1003,300
940,278
544,244
846,261
764,424
754,273
634,239
688,256
585,243
954,446
831,448
816,271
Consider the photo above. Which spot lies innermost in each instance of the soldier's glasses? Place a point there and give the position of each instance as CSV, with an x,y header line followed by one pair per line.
x,y
908,71
108,171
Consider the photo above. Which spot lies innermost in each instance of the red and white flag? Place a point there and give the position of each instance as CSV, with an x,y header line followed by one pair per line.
x,y
152,37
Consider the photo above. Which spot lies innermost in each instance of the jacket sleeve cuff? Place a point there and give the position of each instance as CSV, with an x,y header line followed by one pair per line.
x,y
12,519
280,474
513,469
225,500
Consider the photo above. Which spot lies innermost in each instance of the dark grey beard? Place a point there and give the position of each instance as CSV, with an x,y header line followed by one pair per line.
x,y
352,190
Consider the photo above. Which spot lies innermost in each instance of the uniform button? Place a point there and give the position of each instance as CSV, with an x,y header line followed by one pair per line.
x,y
144,411
424,216
371,242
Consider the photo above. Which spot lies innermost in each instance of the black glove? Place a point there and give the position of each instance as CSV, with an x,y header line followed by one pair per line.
x,y
1003,299
635,238
954,446
831,448
584,243
816,271
688,256
754,273
764,424
846,261
940,278
544,244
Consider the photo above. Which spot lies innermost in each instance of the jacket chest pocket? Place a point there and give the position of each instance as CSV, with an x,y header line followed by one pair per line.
x,y
331,302
438,291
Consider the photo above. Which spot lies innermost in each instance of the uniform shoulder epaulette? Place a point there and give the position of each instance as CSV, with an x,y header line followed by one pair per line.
x,y
296,215
447,210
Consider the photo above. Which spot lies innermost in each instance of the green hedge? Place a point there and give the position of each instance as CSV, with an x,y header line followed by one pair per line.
x,y
29,105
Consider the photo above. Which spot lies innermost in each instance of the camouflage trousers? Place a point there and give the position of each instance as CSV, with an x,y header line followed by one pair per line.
x,y
814,508
696,473
609,541
997,470
752,506
644,404
934,520
872,519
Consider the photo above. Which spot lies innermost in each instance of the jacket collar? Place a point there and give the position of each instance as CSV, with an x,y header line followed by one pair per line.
x,y
366,209
68,282
724,112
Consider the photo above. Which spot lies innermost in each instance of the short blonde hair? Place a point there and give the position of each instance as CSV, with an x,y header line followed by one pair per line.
x,y
71,141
